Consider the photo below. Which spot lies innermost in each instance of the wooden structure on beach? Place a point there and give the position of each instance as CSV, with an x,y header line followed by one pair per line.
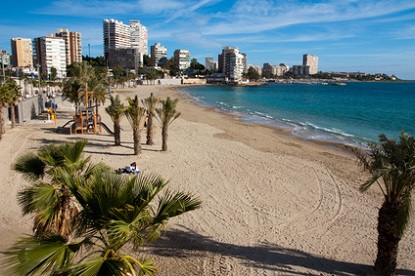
x,y
86,120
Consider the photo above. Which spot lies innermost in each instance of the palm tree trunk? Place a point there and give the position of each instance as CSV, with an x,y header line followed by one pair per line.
x,y
164,136
150,132
388,238
2,123
137,142
117,134
12,115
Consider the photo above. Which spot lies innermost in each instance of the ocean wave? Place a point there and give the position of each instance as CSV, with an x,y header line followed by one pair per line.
x,y
330,130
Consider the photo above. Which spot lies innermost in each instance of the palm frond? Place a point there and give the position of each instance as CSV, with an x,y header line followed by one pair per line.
x,y
39,256
172,205
39,198
30,165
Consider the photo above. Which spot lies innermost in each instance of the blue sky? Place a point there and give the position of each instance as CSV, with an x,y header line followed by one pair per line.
x,y
373,36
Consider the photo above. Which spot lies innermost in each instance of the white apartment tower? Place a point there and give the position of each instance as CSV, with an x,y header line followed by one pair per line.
x,y
312,62
211,64
73,45
116,35
182,59
233,63
50,52
139,37
22,52
158,53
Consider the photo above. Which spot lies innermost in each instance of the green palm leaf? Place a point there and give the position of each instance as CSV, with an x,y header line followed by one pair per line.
x,y
35,256
172,205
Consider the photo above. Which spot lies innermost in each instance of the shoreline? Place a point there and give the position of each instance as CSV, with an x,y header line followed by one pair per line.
x,y
347,146
273,204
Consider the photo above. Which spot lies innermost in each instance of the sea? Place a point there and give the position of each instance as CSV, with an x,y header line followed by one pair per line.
x,y
353,114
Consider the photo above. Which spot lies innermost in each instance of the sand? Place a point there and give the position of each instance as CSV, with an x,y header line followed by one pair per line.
x,y
273,204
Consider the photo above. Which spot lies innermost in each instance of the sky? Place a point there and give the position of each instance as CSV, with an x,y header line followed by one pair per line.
x,y
371,36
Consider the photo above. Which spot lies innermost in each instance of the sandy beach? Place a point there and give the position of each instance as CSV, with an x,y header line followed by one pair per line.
x,y
273,204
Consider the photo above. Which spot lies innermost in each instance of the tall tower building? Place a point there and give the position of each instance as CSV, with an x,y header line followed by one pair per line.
x,y
211,64
158,54
22,52
182,59
73,45
50,52
312,62
116,35
233,63
139,37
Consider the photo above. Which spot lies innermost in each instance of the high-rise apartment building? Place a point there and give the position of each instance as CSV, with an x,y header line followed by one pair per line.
x,y
233,63
116,35
139,37
50,52
312,62
158,54
182,59
22,52
73,45
211,64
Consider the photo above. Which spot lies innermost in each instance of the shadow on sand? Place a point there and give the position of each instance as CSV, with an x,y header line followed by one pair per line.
x,y
182,243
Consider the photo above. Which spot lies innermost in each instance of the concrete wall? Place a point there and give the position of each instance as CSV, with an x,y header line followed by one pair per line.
x,y
29,108
168,81
194,81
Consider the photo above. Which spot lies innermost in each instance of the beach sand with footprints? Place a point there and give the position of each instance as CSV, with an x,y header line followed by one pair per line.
x,y
273,204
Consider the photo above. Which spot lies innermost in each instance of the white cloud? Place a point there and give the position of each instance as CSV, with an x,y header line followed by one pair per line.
x,y
250,16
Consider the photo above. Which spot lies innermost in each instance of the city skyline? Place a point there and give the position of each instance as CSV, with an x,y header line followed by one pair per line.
x,y
367,36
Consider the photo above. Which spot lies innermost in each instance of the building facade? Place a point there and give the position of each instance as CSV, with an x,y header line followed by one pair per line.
x,y
158,54
73,44
300,70
139,37
211,64
181,59
233,63
312,62
116,35
281,70
22,52
50,52
127,58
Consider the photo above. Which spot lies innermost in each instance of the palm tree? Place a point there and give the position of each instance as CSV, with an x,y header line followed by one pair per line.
x,y
115,211
97,90
393,163
167,113
150,105
49,198
135,115
3,103
74,87
12,95
116,111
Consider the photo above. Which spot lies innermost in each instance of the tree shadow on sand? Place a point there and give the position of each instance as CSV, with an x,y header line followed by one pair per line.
x,y
178,243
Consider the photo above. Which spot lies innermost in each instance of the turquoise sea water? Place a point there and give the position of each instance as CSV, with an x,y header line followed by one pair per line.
x,y
353,114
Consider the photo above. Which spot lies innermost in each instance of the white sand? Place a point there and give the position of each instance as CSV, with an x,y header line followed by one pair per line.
x,y
272,204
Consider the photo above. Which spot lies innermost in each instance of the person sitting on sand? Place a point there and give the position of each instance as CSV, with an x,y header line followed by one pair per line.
x,y
133,168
